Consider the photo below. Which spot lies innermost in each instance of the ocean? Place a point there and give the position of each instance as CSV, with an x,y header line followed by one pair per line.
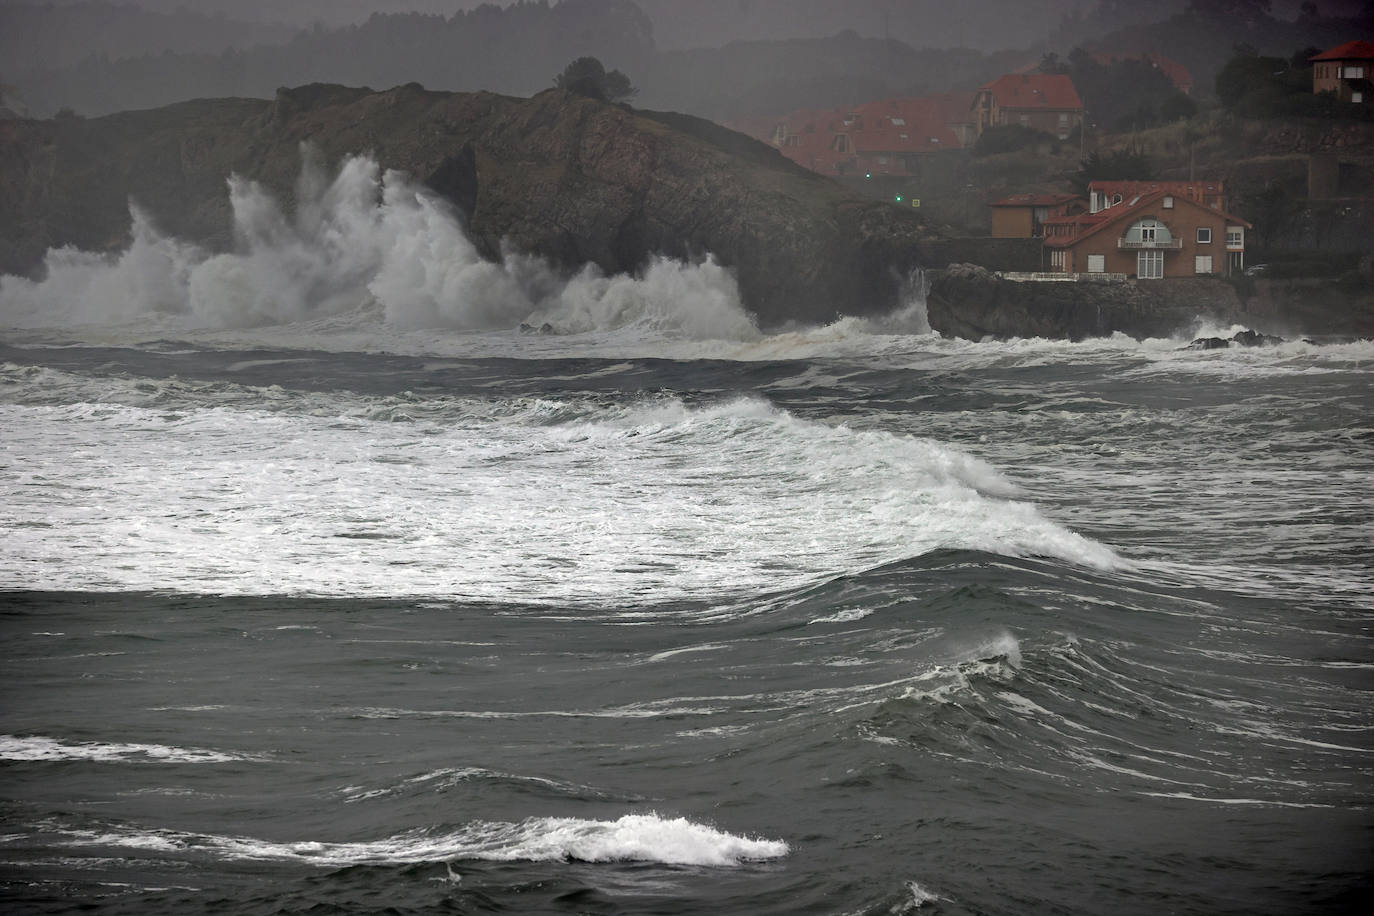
x,y
327,587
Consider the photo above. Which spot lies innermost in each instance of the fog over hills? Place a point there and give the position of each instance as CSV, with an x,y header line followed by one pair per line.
x,y
720,59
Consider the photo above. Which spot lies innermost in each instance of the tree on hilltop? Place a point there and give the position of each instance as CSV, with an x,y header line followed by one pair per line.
x,y
587,76
1129,164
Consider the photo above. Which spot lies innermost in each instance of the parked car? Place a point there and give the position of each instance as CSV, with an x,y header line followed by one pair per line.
x,y
1257,270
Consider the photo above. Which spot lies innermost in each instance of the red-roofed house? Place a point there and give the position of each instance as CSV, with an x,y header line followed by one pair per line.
x,y
885,134
1043,101
1157,232
1345,70
1021,216
1105,194
877,138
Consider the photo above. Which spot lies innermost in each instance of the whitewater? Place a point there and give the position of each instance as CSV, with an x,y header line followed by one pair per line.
x,y
347,570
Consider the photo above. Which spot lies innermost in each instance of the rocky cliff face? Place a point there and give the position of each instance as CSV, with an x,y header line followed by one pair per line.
x,y
564,177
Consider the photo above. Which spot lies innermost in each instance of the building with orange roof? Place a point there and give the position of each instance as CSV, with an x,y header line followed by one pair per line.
x,y
1022,216
1105,194
1156,232
874,139
1042,101
1345,70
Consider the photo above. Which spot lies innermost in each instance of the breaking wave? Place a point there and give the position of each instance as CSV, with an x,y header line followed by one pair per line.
x,y
631,838
368,245
38,748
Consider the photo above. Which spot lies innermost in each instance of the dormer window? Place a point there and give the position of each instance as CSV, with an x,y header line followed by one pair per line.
x,y
1147,233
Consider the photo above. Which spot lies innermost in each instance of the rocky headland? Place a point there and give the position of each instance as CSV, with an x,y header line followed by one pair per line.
x,y
567,178
578,181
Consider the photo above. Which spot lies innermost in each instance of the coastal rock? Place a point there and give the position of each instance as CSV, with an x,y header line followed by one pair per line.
x,y
1246,338
570,179
967,301
1249,338
1209,343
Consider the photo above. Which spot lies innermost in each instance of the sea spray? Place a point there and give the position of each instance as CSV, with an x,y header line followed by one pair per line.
x,y
368,244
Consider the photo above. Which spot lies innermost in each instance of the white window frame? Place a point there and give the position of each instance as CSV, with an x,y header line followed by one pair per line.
x,y
1357,97
1202,264
1235,238
1149,264
1168,203
1148,233
1097,263
1204,235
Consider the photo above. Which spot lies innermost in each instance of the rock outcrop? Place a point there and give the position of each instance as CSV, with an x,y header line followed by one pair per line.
x,y
564,177
967,301
1245,338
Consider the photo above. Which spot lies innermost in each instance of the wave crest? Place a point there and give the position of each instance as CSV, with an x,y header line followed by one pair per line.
x,y
631,838
369,245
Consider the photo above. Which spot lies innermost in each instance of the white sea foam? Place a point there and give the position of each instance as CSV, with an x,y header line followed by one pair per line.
x,y
500,500
631,838
367,251
920,896
36,748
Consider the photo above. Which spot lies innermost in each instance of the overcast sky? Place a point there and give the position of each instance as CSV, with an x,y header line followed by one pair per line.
x,y
298,12
340,11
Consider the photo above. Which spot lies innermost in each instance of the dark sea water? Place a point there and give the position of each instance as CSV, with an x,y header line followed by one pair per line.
x,y
992,628
322,590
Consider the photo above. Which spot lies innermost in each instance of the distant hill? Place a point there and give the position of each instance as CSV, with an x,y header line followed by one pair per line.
x,y
515,50
983,25
772,77
37,35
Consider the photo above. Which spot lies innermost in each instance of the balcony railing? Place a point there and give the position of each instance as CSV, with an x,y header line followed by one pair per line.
x,y
1136,244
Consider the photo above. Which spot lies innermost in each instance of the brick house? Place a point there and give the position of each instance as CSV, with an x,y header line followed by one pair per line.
x,y
1161,230
1042,101
1022,216
1104,194
1345,70
877,138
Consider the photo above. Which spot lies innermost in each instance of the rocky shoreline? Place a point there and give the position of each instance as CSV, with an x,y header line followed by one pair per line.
x,y
577,181
566,178
968,301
